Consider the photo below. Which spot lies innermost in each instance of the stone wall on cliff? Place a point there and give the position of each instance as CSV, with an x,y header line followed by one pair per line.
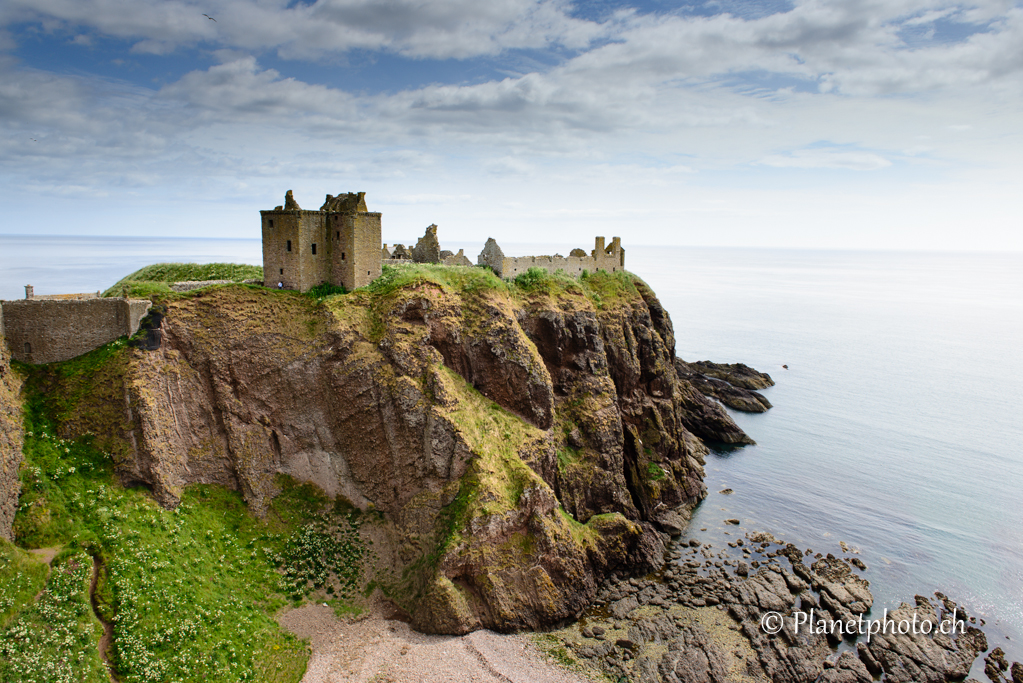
x,y
51,330
522,447
11,438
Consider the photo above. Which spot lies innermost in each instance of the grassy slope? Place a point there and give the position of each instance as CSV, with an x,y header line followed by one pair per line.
x,y
21,577
54,638
191,592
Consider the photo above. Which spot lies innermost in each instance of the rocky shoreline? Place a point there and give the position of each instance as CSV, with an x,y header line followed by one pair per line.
x,y
706,616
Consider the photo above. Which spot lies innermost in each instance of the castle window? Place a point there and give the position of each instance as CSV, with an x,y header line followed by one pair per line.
x,y
282,271
314,249
339,234
342,256
271,222
289,245
368,273
28,348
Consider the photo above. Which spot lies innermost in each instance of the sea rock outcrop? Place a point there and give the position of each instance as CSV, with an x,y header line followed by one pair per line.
x,y
736,374
733,384
521,446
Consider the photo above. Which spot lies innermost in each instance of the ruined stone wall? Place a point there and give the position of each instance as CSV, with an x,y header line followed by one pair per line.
x,y
10,438
137,310
611,259
46,331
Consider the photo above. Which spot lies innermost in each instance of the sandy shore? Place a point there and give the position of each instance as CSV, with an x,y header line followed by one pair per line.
x,y
385,650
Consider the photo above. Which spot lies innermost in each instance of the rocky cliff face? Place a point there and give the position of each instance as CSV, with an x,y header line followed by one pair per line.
x,y
10,440
520,446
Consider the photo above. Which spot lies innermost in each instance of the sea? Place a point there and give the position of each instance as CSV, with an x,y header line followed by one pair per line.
x,y
897,425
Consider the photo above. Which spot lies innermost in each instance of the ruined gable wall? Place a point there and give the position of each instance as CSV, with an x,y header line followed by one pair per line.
x,y
48,331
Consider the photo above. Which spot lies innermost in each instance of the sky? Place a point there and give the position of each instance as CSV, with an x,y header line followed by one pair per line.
x,y
845,124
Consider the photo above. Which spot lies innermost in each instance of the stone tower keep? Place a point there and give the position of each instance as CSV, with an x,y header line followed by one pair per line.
x,y
339,244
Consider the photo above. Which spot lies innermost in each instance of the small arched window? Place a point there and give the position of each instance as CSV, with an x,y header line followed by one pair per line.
x,y
28,349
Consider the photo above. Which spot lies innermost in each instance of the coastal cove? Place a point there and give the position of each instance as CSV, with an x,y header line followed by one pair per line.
x,y
894,425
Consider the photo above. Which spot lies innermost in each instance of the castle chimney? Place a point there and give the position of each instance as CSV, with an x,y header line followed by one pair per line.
x,y
29,292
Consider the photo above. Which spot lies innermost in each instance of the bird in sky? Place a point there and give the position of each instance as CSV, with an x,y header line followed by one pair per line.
x,y
209,17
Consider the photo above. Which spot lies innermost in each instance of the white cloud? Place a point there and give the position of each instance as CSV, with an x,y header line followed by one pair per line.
x,y
828,158
450,29
671,105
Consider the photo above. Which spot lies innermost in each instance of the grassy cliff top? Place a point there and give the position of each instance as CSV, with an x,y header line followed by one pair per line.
x,y
597,286
156,277
600,287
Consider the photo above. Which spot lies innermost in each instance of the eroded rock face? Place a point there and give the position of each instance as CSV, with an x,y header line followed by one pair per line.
x,y
520,451
11,437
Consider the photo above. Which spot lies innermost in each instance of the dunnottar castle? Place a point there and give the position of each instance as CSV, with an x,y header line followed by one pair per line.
x,y
339,244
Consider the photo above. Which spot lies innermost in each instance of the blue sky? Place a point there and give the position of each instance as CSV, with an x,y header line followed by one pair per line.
x,y
888,124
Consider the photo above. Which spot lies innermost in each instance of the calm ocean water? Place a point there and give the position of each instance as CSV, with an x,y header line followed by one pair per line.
x,y
896,429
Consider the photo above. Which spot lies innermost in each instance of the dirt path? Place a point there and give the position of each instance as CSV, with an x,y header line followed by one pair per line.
x,y
108,628
383,650
44,555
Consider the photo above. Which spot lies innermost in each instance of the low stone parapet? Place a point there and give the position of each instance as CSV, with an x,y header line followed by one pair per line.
x,y
189,285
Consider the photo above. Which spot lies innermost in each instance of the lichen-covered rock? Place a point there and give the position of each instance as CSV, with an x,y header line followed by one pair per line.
x,y
927,658
11,437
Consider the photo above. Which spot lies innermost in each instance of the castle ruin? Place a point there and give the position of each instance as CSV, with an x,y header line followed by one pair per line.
x,y
340,244
610,258
337,244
